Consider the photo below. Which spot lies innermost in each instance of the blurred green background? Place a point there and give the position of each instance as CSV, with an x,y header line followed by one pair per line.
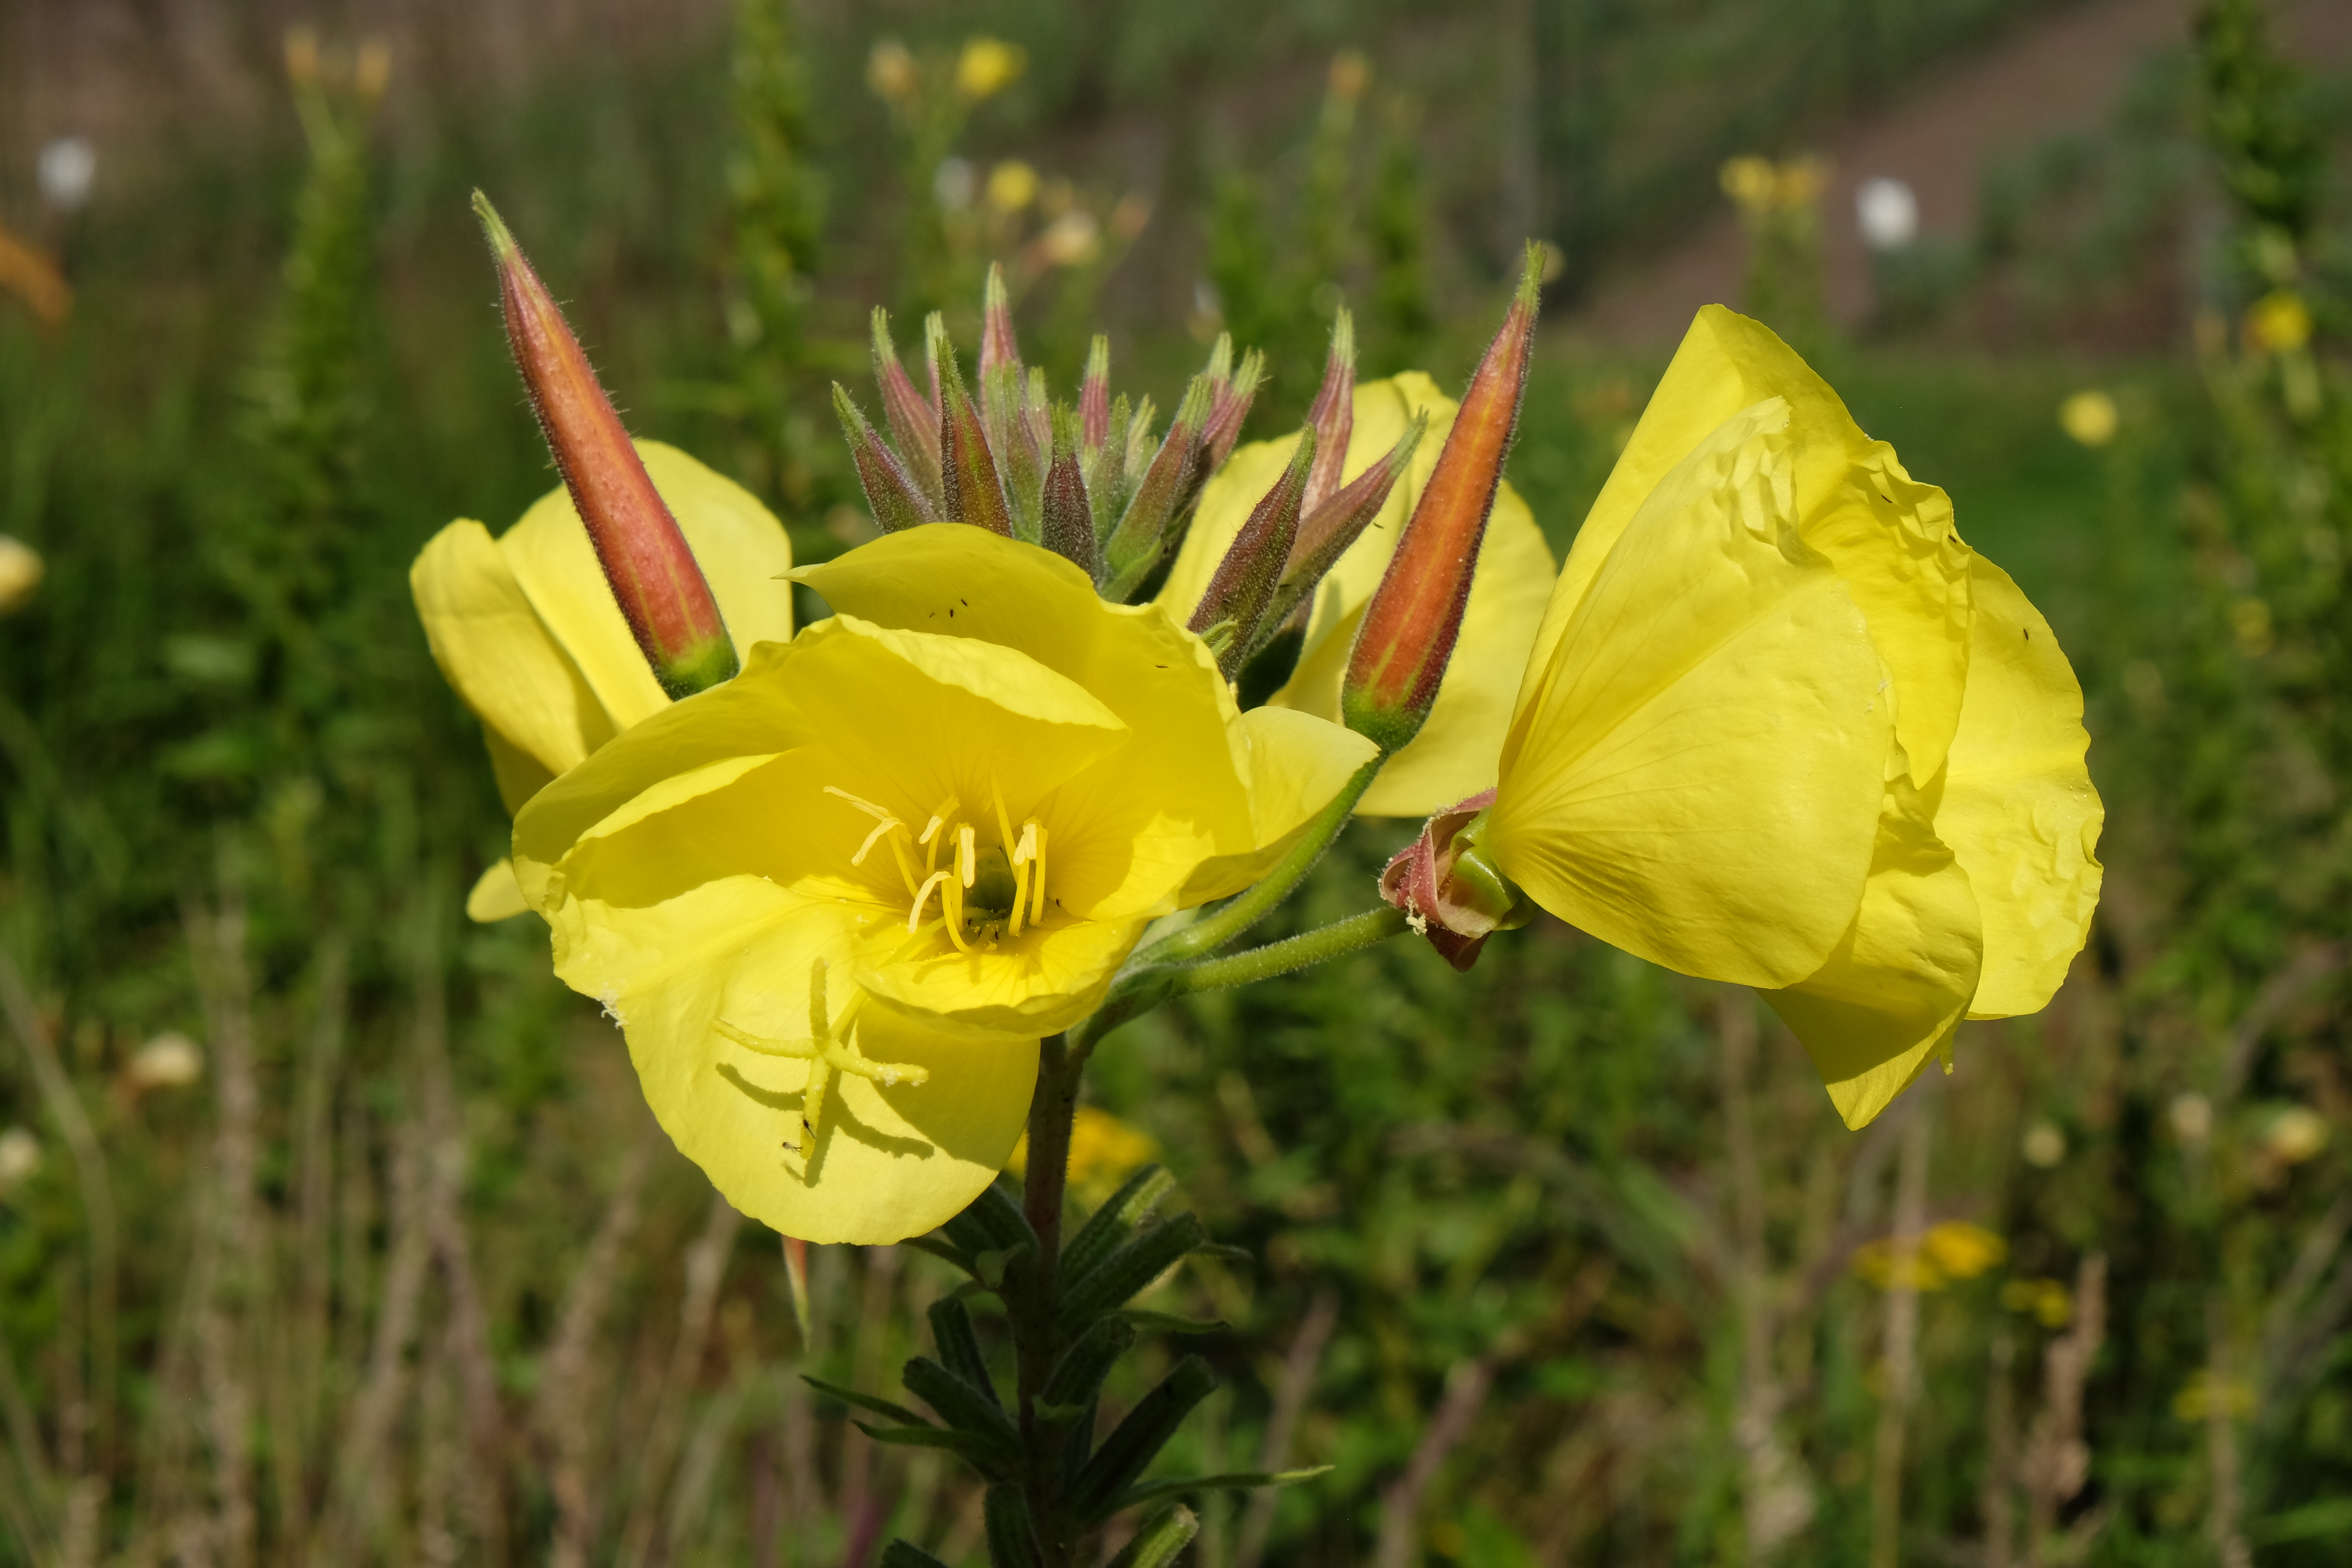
x,y
332,1230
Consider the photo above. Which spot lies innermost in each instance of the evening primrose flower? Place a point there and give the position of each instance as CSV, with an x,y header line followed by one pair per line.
x,y
1782,728
528,632
1456,751
836,901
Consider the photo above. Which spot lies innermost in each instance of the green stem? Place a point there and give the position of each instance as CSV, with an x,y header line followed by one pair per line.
x,y
1237,914
1317,946
1036,1345
1140,990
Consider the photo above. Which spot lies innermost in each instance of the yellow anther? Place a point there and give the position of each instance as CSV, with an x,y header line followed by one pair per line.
x,y
867,807
941,815
1026,850
967,854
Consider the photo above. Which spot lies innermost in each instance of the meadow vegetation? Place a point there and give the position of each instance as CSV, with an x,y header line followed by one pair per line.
x,y
333,1229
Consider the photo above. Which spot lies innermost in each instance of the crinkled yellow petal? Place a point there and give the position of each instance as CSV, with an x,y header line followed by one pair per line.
x,y
1890,537
742,549
2018,808
497,896
1455,754
500,658
1698,776
1901,978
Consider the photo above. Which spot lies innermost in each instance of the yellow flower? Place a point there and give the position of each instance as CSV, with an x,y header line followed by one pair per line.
x,y
527,631
2278,323
1784,729
1454,755
835,902
987,67
2090,418
1952,1250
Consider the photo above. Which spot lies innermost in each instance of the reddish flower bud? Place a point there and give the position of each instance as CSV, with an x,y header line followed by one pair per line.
x,y
1237,596
890,490
914,419
653,574
1333,417
1415,615
972,490
1448,888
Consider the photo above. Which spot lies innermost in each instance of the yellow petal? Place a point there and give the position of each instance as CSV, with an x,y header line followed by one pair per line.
x,y
743,551
497,896
890,1160
1037,983
496,655
1890,537
1133,829
1697,775
1900,979
1297,762
2019,809
1455,754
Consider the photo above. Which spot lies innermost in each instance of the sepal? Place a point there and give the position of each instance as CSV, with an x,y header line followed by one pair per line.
x,y
1449,888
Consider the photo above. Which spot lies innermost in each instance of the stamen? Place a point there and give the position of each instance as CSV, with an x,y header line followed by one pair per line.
x,y
906,863
1023,874
941,815
879,829
1003,823
867,807
967,854
935,879
1037,892
952,905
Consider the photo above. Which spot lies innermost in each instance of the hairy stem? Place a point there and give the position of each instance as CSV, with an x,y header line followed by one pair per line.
x,y
1036,1344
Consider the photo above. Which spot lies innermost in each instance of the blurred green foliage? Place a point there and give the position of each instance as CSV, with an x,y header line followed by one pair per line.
x,y
1552,1263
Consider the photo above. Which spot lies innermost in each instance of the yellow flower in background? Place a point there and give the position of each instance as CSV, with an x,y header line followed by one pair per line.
x,y
1104,1151
2090,418
1454,755
1782,728
892,73
2050,1301
1012,185
2278,323
1951,1251
836,901
21,571
526,629
987,67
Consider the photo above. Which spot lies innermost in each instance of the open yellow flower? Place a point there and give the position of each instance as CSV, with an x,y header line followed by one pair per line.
x,y
525,628
1784,729
1456,754
836,901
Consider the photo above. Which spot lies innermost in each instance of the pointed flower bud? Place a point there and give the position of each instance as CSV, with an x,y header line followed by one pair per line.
x,y
997,344
972,492
652,573
914,419
1448,886
1326,532
1143,536
1410,626
1244,583
890,490
1229,404
1067,521
1094,401
1333,417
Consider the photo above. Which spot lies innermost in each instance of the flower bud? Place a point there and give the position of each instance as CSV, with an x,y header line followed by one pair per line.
x,y
1415,615
1449,888
652,573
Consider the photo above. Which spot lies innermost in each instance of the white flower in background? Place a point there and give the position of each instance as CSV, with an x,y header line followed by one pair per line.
x,y
21,569
2192,1118
20,1156
1889,212
2295,1135
67,170
2043,1145
954,184
170,1060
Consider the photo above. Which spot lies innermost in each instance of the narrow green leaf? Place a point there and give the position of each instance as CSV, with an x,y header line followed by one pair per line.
x,y
958,1404
958,1345
1134,1442
1161,1538
945,1250
905,1554
1169,1323
1238,1480
1111,1223
1078,1376
1143,1258
1012,1543
865,1401
983,1455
